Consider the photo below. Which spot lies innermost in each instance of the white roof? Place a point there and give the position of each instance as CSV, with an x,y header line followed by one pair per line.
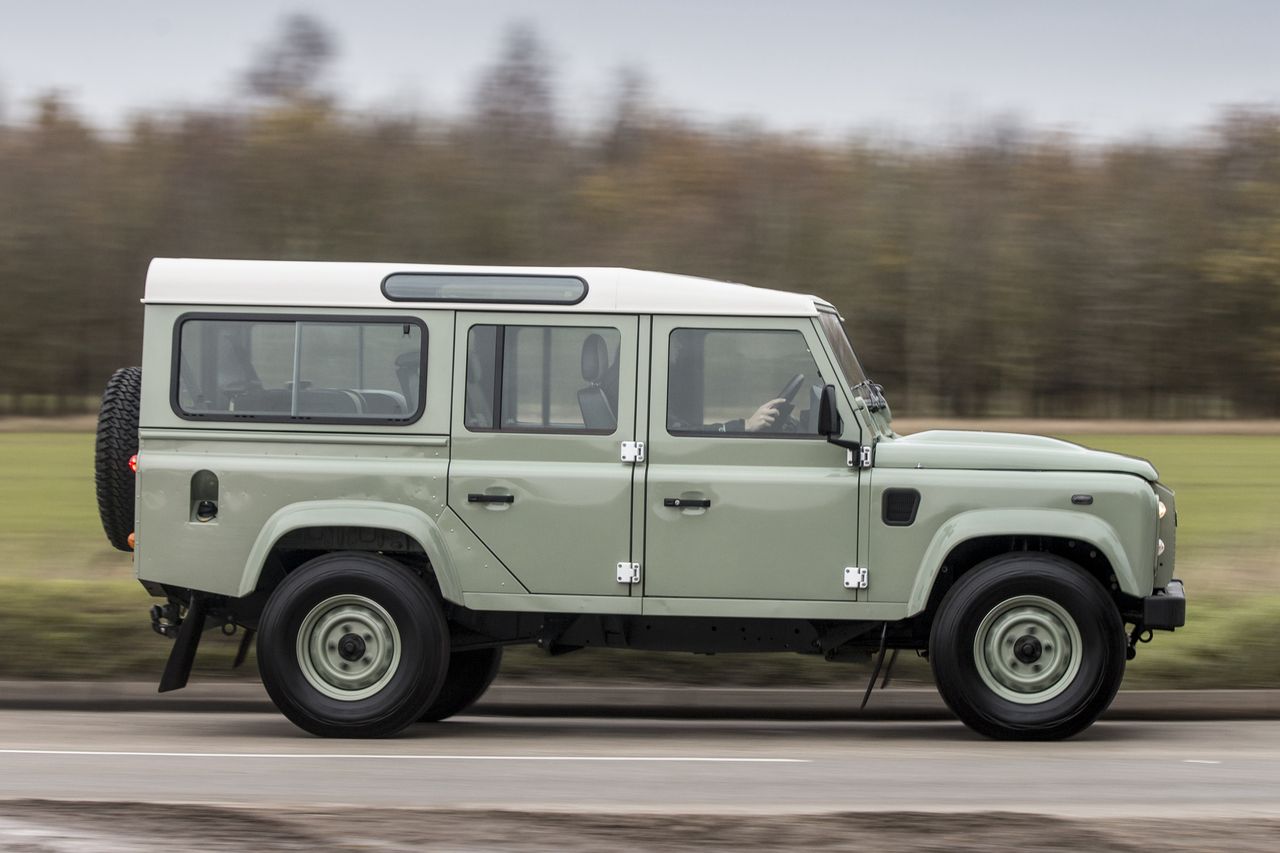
x,y
194,281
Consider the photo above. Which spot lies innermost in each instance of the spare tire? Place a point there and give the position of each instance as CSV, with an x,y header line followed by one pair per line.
x,y
116,445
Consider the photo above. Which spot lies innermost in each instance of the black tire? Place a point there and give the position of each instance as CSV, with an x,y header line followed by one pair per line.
x,y
470,674
1074,701
117,441
419,630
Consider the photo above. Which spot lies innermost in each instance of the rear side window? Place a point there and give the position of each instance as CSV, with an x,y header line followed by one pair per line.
x,y
542,379
318,370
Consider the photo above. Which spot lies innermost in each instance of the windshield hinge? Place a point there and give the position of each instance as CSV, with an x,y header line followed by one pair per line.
x,y
633,451
860,458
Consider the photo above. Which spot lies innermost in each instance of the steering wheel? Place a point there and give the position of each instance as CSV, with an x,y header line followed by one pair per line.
x,y
784,422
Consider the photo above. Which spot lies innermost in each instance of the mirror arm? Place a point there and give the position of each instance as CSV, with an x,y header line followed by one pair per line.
x,y
855,446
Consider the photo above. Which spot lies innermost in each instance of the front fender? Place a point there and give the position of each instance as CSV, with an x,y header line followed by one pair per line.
x,y
1065,524
386,516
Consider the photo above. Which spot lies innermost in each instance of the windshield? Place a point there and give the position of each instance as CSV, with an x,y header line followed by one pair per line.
x,y
842,348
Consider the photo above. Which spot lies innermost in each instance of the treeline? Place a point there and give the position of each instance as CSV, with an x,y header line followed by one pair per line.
x,y
1010,272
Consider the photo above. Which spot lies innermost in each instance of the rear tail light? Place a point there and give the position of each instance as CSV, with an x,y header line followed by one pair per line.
x,y
133,463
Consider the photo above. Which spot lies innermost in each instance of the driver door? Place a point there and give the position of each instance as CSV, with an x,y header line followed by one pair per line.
x,y
738,514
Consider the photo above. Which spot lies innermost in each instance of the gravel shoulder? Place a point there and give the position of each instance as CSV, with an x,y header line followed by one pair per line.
x,y
43,825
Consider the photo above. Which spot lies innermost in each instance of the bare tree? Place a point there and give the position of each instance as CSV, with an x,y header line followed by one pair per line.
x,y
292,66
631,116
514,101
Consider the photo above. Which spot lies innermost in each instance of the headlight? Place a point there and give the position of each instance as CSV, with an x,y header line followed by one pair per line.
x,y
1159,547
1163,509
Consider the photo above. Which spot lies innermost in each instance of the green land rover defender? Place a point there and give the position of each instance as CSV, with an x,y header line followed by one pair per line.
x,y
387,473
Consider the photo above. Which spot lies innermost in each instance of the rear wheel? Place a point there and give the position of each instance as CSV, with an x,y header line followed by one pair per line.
x,y
353,645
1027,647
470,674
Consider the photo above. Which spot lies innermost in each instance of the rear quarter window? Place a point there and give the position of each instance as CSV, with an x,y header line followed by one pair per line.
x,y
299,369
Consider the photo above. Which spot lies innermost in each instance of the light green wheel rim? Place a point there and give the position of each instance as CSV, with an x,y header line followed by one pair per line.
x,y
1027,649
348,647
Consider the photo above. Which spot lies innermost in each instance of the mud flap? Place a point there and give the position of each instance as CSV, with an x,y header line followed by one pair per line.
x,y
183,654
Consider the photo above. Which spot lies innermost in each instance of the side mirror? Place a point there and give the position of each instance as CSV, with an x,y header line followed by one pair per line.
x,y
829,425
830,428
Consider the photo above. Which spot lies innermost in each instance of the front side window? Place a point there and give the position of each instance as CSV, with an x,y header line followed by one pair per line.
x,y
542,378
300,370
742,382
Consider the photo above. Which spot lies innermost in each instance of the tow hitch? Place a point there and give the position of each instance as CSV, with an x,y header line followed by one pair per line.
x,y
165,619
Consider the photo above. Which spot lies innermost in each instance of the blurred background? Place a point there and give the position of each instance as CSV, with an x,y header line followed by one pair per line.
x,y
1024,214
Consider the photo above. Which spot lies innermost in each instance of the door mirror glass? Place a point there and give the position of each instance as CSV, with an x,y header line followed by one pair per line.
x,y
828,414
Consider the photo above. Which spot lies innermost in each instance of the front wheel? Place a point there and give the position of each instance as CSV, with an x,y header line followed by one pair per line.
x,y
1027,647
353,645
470,674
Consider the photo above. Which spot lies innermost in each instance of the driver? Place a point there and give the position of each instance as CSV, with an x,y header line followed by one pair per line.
x,y
761,419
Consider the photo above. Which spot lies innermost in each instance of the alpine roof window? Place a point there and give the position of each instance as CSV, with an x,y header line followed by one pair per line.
x,y
484,287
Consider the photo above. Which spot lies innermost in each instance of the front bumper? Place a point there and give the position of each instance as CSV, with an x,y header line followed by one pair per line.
x,y
1165,609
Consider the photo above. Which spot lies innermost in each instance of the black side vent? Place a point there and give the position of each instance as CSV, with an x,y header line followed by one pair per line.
x,y
900,505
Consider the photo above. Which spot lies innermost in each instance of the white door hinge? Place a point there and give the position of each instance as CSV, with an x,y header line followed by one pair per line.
x,y
628,573
855,578
863,459
633,451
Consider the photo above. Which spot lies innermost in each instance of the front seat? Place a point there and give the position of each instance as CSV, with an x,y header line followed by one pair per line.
x,y
592,400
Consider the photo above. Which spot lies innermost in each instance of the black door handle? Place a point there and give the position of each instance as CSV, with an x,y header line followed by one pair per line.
x,y
490,499
699,503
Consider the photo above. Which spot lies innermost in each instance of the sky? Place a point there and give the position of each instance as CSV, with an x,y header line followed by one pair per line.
x,y
1098,69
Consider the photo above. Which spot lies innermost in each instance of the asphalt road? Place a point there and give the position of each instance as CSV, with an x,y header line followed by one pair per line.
x,y
1154,769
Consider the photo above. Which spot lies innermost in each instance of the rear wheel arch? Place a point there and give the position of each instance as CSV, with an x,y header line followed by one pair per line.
x,y
300,532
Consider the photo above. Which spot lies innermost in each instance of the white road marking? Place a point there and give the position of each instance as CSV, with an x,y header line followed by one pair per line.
x,y
401,757
1198,761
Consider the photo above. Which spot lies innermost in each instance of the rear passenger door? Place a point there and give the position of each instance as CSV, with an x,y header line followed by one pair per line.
x,y
541,404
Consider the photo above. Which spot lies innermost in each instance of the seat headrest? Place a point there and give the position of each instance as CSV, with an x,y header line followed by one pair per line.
x,y
595,358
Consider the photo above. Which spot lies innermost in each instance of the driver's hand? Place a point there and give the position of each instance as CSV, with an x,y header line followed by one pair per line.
x,y
764,416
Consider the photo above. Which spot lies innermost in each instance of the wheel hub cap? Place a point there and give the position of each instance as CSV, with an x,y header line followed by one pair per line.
x,y
348,647
351,647
1027,649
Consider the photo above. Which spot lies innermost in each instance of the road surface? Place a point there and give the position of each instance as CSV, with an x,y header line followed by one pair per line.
x,y
1203,777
